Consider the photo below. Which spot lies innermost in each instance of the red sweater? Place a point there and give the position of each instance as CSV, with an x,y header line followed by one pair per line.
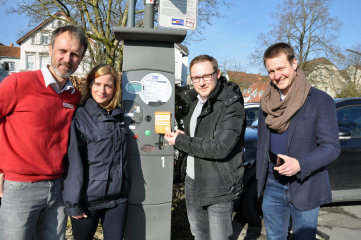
x,y
34,127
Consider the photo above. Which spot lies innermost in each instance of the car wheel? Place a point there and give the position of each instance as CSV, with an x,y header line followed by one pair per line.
x,y
251,205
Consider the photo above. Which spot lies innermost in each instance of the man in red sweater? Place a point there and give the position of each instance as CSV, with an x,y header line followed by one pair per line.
x,y
36,109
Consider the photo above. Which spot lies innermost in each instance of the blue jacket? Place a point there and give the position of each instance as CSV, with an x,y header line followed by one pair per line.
x,y
96,174
313,140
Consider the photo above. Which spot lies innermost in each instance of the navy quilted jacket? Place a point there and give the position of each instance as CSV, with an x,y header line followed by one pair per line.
x,y
96,174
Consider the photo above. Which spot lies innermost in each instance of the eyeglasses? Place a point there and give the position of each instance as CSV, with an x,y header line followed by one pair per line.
x,y
207,77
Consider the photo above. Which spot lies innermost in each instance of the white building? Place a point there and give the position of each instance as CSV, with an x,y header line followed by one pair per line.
x,y
34,53
9,60
34,46
181,64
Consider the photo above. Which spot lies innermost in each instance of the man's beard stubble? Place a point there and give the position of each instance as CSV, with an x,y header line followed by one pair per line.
x,y
56,69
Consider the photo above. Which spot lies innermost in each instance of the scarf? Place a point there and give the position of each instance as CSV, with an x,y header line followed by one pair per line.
x,y
279,113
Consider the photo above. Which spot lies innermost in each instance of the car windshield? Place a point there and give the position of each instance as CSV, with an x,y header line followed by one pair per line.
x,y
254,124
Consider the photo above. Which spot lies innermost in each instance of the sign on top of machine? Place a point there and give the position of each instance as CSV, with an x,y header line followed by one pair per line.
x,y
178,14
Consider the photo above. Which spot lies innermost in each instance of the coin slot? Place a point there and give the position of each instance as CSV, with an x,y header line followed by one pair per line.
x,y
148,118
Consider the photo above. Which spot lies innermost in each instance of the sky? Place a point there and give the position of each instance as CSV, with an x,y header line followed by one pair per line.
x,y
232,38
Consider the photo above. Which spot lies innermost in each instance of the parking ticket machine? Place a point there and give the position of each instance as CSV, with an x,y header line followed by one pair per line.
x,y
148,100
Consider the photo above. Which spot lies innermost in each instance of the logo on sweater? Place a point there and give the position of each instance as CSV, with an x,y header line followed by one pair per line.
x,y
68,105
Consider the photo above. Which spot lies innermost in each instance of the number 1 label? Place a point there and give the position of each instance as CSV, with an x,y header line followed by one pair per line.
x,y
162,161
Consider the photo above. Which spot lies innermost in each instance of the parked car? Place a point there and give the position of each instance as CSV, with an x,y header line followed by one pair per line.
x,y
344,172
251,112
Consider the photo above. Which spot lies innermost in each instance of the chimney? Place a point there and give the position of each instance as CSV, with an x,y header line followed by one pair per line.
x,y
11,45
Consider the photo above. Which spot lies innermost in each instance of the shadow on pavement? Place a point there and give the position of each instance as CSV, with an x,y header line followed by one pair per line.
x,y
244,231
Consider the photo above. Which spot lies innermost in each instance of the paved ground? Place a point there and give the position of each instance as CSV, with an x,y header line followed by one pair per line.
x,y
335,222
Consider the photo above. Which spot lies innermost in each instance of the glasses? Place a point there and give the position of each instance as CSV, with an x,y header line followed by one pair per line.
x,y
207,77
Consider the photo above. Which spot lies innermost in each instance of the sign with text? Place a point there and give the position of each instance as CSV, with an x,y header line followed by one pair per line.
x,y
162,122
178,14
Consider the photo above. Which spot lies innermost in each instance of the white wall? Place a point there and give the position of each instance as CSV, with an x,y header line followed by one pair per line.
x,y
181,66
4,73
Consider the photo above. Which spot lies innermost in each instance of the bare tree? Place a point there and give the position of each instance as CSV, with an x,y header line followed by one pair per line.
x,y
304,24
351,86
98,17
342,79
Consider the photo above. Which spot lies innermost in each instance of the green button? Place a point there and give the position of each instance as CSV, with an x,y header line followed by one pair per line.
x,y
148,132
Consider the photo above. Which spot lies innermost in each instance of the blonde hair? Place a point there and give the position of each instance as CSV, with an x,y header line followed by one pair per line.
x,y
97,71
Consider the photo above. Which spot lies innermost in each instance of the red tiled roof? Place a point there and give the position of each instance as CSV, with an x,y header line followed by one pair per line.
x,y
7,51
39,26
261,87
256,87
245,77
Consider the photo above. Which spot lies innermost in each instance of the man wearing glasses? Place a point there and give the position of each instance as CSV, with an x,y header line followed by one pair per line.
x,y
213,137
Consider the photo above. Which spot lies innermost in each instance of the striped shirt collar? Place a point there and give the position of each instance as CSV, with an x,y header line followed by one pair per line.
x,y
49,80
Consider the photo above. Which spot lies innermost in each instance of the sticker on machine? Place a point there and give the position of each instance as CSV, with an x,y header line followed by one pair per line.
x,y
190,22
162,122
157,89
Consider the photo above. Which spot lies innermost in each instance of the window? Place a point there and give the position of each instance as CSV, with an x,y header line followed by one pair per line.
x,y
261,93
251,115
350,118
35,39
60,23
30,62
45,38
44,60
9,66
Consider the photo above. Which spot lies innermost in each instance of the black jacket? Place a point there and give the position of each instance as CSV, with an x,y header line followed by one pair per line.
x,y
218,143
96,174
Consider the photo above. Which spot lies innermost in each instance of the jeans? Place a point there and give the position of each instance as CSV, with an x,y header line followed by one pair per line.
x,y
113,221
277,209
32,210
212,222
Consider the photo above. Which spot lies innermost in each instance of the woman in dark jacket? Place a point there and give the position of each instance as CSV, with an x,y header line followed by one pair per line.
x,y
96,180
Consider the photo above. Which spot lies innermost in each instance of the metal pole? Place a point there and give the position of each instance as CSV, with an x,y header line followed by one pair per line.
x,y
353,51
149,13
131,13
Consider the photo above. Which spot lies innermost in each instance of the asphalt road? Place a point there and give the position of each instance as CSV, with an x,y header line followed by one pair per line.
x,y
335,222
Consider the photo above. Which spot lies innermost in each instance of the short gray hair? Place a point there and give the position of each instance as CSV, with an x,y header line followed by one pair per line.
x,y
74,31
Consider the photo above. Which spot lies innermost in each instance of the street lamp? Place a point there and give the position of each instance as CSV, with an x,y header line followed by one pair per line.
x,y
353,51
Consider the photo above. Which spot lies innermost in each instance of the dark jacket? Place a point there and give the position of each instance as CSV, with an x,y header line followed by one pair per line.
x,y
313,141
96,174
218,143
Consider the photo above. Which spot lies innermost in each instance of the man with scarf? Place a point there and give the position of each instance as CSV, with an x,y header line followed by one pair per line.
x,y
213,138
299,124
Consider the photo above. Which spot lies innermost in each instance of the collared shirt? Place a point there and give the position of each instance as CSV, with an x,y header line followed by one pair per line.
x,y
192,127
282,96
201,100
50,80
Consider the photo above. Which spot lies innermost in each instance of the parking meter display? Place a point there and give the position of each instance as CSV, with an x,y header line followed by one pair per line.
x,y
156,89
